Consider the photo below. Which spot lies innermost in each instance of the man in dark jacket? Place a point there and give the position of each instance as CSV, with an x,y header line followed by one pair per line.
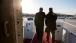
x,y
39,23
51,24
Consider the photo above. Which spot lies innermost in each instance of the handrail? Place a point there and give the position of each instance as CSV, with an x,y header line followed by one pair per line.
x,y
69,31
5,28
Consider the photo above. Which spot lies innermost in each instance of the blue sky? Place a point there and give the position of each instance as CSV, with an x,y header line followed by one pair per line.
x,y
59,6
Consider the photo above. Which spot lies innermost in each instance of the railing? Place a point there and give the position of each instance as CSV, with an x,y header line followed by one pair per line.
x,y
68,36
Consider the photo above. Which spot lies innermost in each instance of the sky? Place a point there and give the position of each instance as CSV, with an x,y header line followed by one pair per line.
x,y
59,6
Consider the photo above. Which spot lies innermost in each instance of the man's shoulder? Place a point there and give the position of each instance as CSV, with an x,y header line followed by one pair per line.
x,y
37,12
40,12
55,14
43,12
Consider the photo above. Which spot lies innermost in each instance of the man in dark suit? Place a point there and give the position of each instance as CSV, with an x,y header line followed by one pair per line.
x,y
51,24
39,23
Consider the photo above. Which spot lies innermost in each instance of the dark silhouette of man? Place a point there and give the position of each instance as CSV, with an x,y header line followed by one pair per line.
x,y
51,24
39,23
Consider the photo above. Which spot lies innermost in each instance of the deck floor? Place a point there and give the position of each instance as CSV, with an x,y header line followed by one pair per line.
x,y
34,40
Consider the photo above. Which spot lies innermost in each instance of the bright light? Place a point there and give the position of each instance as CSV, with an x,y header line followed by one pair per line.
x,y
27,6
21,3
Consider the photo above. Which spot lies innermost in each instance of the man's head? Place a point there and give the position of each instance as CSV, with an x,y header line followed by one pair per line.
x,y
50,9
41,9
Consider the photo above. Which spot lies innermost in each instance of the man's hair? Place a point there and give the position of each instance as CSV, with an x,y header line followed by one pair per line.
x,y
51,9
41,8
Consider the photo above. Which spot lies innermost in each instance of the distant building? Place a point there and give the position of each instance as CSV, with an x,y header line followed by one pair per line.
x,y
28,15
59,15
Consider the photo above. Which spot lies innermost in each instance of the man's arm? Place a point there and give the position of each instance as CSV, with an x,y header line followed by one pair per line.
x,y
44,15
55,16
35,20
